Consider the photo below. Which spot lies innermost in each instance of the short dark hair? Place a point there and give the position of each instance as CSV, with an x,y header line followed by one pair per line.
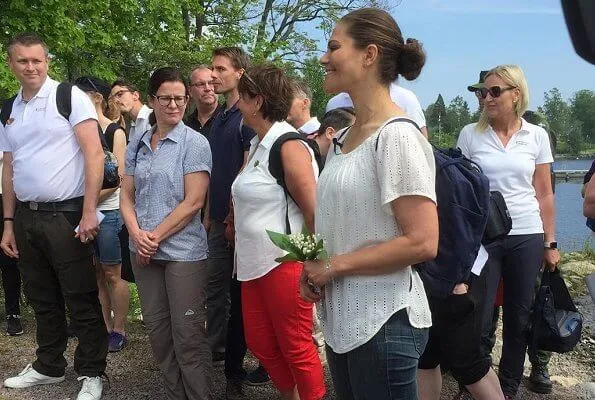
x,y
301,89
239,58
368,26
271,83
27,39
337,119
124,83
165,74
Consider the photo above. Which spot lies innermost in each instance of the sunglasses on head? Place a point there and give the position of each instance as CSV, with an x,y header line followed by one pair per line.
x,y
494,91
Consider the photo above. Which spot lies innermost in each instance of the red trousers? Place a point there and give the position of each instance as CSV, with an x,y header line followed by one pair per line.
x,y
278,329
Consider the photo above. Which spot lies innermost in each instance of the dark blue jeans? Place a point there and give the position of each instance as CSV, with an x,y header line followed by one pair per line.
x,y
384,368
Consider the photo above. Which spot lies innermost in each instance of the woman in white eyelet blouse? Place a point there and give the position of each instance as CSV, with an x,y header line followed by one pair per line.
x,y
376,212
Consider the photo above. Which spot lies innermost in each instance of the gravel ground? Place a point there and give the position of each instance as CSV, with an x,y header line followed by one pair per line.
x,y
134,374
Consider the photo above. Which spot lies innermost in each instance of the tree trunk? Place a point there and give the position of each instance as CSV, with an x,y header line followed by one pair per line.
x,y
260,36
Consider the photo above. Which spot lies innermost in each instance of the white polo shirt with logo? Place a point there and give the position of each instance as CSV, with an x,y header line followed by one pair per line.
x,y
48,163
402,97
510,169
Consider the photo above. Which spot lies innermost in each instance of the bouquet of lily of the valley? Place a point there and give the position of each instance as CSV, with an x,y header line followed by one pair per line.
x,y
302,246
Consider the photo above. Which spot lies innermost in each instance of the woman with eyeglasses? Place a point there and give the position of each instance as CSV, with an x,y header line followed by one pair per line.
x,y
113,290
376,211
277,321
516,156
164,187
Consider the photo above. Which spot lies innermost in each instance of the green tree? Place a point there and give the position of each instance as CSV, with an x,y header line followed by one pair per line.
x,y
313,74
582,108
457,115
436,113
574,138
557,112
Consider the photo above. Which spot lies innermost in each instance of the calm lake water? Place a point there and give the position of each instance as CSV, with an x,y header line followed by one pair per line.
x,y
571,231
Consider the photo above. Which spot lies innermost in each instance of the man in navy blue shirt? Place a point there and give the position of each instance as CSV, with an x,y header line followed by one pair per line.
x,y
230,142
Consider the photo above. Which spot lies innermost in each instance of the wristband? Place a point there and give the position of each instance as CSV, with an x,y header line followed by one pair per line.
x,y
8,219
327,265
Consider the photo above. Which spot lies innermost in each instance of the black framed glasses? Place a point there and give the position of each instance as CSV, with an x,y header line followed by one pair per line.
x,y
165,101
494,91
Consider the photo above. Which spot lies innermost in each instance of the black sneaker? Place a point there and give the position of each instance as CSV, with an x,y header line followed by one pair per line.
x,y
258,377
539,381
234,390
13,325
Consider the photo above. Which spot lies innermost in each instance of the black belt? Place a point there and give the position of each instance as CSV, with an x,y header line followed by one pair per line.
x,y
75,204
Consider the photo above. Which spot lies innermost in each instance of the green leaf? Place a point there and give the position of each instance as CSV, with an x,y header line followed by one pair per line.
x,y
281,240
322,255
288,257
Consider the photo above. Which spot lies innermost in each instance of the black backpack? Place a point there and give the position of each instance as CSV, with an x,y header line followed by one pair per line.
x,y
276,165
463,200
111,178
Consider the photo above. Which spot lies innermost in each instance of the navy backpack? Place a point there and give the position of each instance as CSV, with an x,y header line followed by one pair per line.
x,y
463,202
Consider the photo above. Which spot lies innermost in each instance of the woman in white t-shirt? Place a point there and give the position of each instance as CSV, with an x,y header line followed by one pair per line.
x,y
113,290
277,321
376,211
516,156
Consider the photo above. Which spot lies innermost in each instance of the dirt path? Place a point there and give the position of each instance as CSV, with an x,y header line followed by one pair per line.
x,y
134,374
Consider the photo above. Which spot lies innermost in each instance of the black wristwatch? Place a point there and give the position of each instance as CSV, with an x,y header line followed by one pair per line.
x,y
550,245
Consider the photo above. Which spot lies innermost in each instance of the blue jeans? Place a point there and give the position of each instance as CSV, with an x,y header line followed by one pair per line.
x,y
384,368
107,242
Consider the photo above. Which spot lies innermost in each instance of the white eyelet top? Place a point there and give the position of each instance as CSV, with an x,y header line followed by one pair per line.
x,y
353,210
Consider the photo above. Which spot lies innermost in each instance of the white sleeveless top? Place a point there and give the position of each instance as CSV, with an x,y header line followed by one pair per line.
x,y
260,204
353,210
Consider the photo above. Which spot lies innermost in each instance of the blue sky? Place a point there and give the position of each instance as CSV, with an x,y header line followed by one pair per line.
x,y
462,37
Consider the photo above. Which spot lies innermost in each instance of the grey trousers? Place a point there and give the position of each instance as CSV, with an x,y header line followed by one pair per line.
x,y
172,296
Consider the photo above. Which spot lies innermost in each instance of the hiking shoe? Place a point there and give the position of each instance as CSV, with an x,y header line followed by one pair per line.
x,y
92,388
258,377
116,342
234,390
539,381
13,325
29,377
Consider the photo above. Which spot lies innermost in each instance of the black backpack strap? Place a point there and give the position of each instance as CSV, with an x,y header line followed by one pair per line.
x,y
401,119
109,133
6,110
64,99
276,169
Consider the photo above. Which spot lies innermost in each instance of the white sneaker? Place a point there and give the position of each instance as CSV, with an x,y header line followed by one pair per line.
x,y
29,377
92,388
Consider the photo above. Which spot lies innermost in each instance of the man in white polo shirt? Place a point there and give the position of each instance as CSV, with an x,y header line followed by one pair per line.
x,y
402,97
52,174
299,113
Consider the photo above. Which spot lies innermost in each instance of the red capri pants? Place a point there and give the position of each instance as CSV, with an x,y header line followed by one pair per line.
x,y
278,329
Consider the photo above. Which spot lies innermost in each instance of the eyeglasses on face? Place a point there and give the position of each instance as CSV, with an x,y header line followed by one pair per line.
x,y
494,91
165,101
120,93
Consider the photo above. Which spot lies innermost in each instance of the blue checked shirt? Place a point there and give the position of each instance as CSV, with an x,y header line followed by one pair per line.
x,y
159,187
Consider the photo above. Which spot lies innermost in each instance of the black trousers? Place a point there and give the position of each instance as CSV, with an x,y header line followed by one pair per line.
x,y
236,340
517,260
57,270
11,278
224,304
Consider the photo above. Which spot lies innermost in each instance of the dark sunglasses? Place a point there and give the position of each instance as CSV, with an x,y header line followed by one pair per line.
x,y
494,91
